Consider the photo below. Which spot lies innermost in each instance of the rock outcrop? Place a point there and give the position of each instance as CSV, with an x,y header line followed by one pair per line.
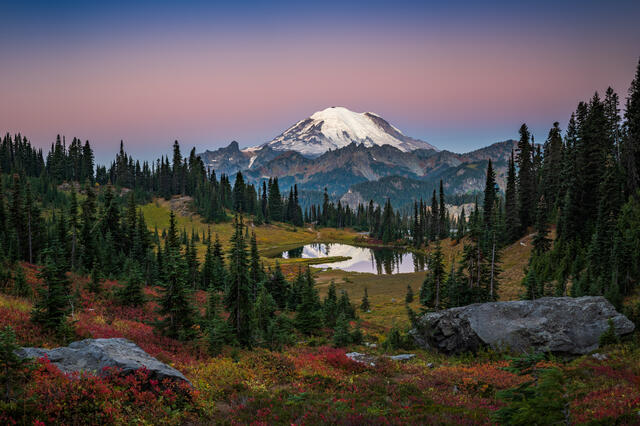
x,y
94,355
563,325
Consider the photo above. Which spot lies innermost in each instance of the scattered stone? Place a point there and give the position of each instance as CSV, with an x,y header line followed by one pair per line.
x,y
402,357
600,357
563,325
430,365
354,355
362,358
94,355
370,345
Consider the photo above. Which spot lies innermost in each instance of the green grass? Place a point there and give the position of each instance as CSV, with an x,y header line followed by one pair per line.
x,y
386,294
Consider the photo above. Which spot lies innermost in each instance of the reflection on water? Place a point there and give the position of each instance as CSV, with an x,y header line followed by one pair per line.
x,y
362,259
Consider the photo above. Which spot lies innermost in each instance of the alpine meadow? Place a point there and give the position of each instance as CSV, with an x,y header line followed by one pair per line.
x,y
184,241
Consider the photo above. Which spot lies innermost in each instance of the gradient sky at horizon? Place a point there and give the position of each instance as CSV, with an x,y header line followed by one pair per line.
x,y
458,74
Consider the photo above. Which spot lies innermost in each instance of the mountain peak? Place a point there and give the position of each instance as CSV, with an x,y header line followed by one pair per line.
x,y
337,127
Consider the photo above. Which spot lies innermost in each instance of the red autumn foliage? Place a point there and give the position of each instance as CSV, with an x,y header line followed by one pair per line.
x,y
54,397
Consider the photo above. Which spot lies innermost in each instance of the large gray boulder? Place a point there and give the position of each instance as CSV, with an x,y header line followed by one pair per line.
x,y
93,355
563,325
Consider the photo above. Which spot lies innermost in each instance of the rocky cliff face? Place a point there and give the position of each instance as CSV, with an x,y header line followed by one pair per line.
x,y
562,325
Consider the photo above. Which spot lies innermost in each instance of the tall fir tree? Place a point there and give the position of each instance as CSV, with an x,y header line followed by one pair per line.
x,y
512,212
175,304
490,193
526,178
238,296
54,300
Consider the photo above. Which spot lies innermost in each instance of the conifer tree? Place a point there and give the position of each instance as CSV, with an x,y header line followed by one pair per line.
x,y
364,306
275,200
73,225
526,183
456,294
10,365
239,202
330,305
416,230
3,220
219,333
489,196
442,219
17,219
256,273
552,166
541,241
388,233
264,202
238,295
94,285
511,204
432,292
409,297
175,302
192,264
263,311
342,332
54,298
278,286
631,142
31,219
345,306
207,266
308,316
279,333
88,225
131,294
111,217
87,163
462,226
177,172
435,224
219,271
20,286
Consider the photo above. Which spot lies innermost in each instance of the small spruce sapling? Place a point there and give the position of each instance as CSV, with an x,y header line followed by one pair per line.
x,y
365,306
609,337
409,297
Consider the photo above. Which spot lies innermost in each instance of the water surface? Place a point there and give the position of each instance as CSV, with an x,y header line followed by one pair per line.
x,y
374,260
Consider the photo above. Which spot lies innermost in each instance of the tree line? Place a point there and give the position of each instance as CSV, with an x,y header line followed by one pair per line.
x,y
586,184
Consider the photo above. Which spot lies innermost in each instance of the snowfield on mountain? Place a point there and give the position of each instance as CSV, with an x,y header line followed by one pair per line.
x,y
337,127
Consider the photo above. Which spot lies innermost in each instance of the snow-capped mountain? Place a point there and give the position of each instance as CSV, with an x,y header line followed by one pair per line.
x,y
337,127
359,154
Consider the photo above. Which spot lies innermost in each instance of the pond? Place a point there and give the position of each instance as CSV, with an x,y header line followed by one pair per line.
x,y
374,260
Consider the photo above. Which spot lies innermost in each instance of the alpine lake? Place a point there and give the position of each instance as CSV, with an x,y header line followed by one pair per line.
x,y
373,260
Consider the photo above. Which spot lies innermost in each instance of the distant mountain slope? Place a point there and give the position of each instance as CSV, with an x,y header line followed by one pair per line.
x,y
340,169
466,178
359,168
231,159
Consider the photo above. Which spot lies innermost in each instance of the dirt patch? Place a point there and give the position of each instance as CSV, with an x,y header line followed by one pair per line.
x,y
181,204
